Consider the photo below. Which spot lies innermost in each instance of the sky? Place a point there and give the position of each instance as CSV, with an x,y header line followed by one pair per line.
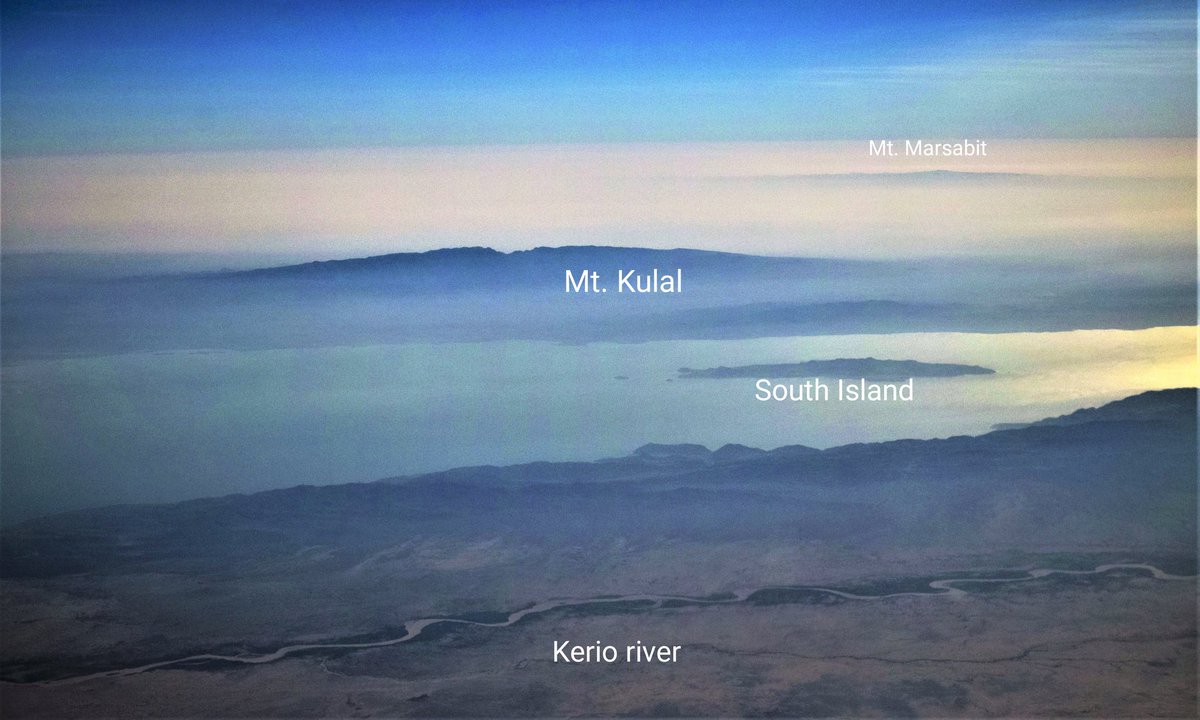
x,y
349,128
330,130
97,76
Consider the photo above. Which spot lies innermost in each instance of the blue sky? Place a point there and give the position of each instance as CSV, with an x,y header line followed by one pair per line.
x,y
101,77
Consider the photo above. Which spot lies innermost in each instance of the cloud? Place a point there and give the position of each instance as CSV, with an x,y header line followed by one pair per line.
x,y
1106,76
1094,49
728,196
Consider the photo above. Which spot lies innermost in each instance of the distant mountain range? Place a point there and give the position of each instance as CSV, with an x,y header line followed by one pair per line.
x,y
500,267
479,294
1123,474
1157,406
123,586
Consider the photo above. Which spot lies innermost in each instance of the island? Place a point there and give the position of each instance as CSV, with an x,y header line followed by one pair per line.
x,y
868,368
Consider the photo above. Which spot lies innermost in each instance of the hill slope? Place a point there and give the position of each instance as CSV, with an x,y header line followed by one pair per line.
x,y
1123,473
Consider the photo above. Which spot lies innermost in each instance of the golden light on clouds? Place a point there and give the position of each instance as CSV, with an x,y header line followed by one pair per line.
x,y
782,198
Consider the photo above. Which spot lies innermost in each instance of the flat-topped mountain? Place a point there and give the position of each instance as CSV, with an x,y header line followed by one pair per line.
x,y
488,259
453,271
477,294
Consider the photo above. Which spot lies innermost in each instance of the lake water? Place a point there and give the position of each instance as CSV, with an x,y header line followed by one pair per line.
x,y
169,426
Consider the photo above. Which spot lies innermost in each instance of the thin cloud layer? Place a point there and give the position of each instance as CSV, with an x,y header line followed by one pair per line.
x,y
781,198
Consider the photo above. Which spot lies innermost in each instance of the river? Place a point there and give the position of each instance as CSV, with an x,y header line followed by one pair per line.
x,y
414,628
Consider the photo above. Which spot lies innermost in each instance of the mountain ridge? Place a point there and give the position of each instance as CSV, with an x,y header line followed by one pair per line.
x,y
1154,407
484,256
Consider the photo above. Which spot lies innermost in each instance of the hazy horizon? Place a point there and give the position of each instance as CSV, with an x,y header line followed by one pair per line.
x,y
1054,198
970,227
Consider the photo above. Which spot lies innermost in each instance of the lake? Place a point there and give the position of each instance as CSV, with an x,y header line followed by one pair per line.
x,y
169,426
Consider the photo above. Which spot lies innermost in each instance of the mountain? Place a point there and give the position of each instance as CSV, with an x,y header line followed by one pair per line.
x,y
1153,406
473,267
1121,473
123,587
475,294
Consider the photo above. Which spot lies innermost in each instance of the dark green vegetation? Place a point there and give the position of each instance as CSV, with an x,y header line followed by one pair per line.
x,y
1115,579
586,609
793,596
921,584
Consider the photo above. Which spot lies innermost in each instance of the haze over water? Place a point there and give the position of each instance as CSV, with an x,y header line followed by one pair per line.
x,y
155,427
